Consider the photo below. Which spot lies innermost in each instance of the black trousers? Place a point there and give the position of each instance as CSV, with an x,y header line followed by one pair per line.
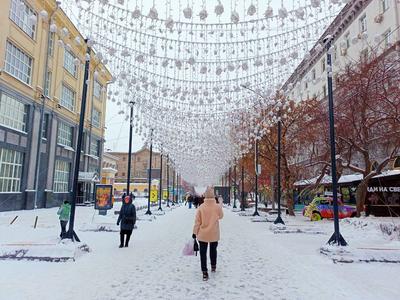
x,y
203,254
63,228
122,236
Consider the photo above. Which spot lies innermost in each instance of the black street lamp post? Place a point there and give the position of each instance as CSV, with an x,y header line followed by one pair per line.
x,y
234,186
229,186
128,179
160,184
168,181
148,212
336,238
173,188
256,183
71,233
279,218
242,190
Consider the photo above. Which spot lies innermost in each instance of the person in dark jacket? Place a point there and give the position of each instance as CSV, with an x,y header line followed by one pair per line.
x,y
127,218
190,201
196,201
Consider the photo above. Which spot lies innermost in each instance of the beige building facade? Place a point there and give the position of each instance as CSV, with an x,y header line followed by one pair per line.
x,y
42,58
140,165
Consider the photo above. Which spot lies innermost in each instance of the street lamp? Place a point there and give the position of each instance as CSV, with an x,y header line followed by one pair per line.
x,y
257,173
336,238
71,233
279,218
148,212
242,189
229,185
128,179
160,185
234,186
168,181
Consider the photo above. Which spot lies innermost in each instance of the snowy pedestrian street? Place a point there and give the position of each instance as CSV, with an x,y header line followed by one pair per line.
x,y
253,262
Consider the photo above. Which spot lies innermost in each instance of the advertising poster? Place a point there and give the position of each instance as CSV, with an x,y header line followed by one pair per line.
x,y
153,196
165,195
103,197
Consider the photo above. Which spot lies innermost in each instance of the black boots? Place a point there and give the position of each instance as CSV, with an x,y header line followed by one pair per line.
x,y
121,238
205,276
213,268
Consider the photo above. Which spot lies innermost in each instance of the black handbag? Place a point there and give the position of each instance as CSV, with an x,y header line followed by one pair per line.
x,y
195,246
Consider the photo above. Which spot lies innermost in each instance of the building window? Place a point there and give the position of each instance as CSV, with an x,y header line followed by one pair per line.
x,y
21,15
13,113
10,170
313,74
323,65
94,147
18,63
363,24
45,126
384,5
97,89
64,134
324,91
69,63
51,44
96,118
47,85
67,98
347,40
61,177
387,38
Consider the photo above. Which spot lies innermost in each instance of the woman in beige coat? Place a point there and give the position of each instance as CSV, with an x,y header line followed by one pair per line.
x,y
206,229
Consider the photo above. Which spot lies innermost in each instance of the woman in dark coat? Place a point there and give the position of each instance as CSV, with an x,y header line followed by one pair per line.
x,y
127,218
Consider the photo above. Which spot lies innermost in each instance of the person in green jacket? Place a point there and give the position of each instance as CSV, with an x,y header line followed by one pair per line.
x,y
64,212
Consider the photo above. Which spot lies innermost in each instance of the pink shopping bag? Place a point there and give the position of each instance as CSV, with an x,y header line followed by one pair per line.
x,y
188,249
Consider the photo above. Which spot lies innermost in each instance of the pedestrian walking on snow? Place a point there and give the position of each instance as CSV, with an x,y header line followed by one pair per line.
x,y
127,219
64,213
206,230
190,201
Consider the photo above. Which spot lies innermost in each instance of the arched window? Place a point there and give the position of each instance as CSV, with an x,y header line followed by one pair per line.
x,y
396,163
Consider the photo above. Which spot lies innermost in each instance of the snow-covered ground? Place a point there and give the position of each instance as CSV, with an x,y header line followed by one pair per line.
x,y
255,261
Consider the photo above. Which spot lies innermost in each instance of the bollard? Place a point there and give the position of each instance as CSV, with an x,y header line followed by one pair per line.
x,y
36,219
13,220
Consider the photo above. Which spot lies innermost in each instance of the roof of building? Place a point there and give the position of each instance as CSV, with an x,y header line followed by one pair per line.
x,y
344,178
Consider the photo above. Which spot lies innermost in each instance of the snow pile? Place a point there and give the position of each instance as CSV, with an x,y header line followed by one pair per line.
x,y
390,230
100,227
281,228
350,254
63,251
